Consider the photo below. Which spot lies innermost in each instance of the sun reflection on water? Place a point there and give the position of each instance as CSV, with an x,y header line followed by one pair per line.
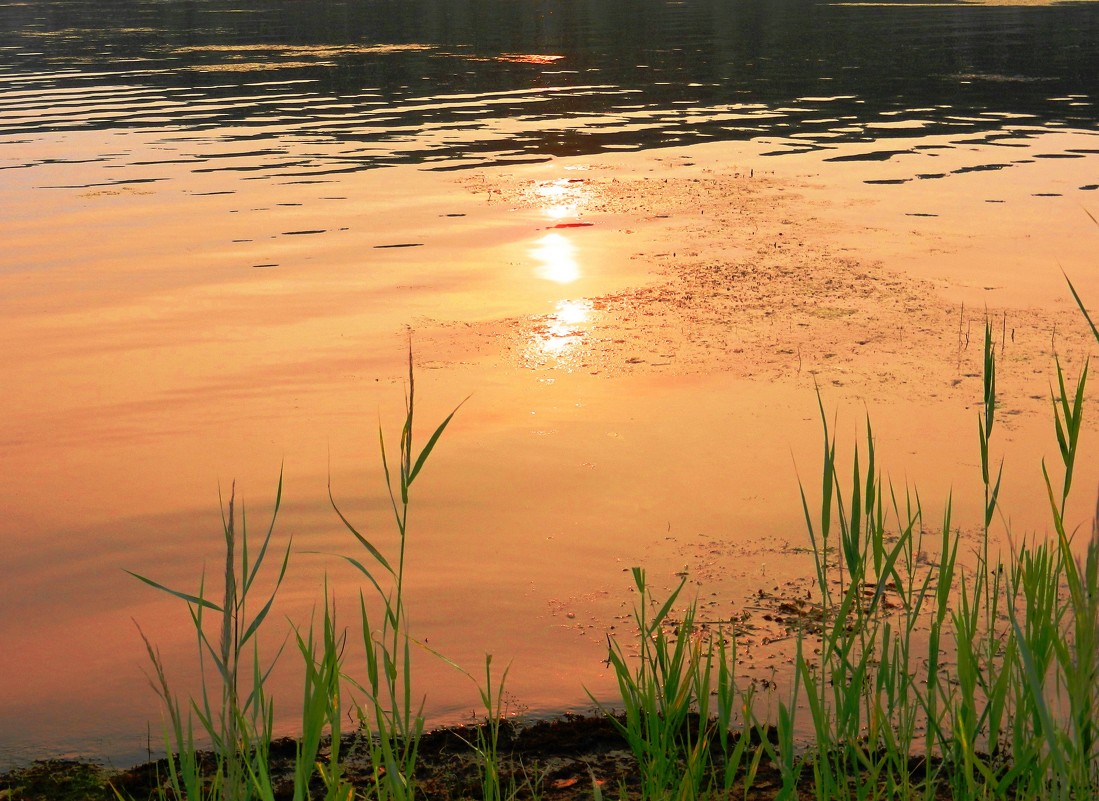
x,y
563,198
560,337
556,257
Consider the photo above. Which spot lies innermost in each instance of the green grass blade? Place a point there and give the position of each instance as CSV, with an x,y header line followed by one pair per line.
x,y
191,599
374,552
415,471
1076,295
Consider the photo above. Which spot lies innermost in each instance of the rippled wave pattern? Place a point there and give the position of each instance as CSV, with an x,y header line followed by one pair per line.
x,y
309,90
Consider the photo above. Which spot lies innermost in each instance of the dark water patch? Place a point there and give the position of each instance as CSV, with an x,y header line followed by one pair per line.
x,y
876,155
998,78
1046,194
244,154
261,266
1058,155
453,214
353,72
475,164
312,174
120,182
927,176
887,181
1089,187
55,161
400,245
251,167
995,201
306,232
979,168
791,151
920,214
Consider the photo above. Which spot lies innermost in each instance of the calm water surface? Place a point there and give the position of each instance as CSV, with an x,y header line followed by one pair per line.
x,y
214,98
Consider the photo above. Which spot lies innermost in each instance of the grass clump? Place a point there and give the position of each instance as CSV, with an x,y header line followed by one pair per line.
x,y
921,680
239,726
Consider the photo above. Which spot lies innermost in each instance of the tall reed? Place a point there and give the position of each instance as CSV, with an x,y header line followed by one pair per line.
x,y
679,701
389,715
1003,685
239,729
240,724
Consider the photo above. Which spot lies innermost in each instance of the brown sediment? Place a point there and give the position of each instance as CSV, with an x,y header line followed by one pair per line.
x,y
563,759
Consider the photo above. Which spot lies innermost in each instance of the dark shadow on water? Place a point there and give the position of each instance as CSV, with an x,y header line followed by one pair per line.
x,y
445,83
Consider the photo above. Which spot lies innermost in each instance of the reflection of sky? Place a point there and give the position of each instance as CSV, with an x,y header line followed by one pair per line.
x,y
560,336
554,252
556,257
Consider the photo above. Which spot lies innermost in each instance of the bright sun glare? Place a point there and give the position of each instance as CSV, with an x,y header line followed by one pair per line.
x,y
564,331
556,257
560,335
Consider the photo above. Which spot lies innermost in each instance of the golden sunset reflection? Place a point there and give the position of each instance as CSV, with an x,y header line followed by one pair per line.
x,y
556,257
561,335
563,198
560,211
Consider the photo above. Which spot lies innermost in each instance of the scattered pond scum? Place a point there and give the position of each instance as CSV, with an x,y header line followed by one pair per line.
x,y
920,678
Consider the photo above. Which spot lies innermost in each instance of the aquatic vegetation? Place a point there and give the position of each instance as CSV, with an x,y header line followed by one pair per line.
x,y
239,729
915,677
390,714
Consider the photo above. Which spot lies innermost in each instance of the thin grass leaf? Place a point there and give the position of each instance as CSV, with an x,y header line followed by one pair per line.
x,y
374,552
197,600
259,618
250,576
1076,295
1068,419
1034,682
415,471
257,621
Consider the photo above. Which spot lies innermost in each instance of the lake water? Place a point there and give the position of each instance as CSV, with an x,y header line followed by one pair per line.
x,y
201,203
316,90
